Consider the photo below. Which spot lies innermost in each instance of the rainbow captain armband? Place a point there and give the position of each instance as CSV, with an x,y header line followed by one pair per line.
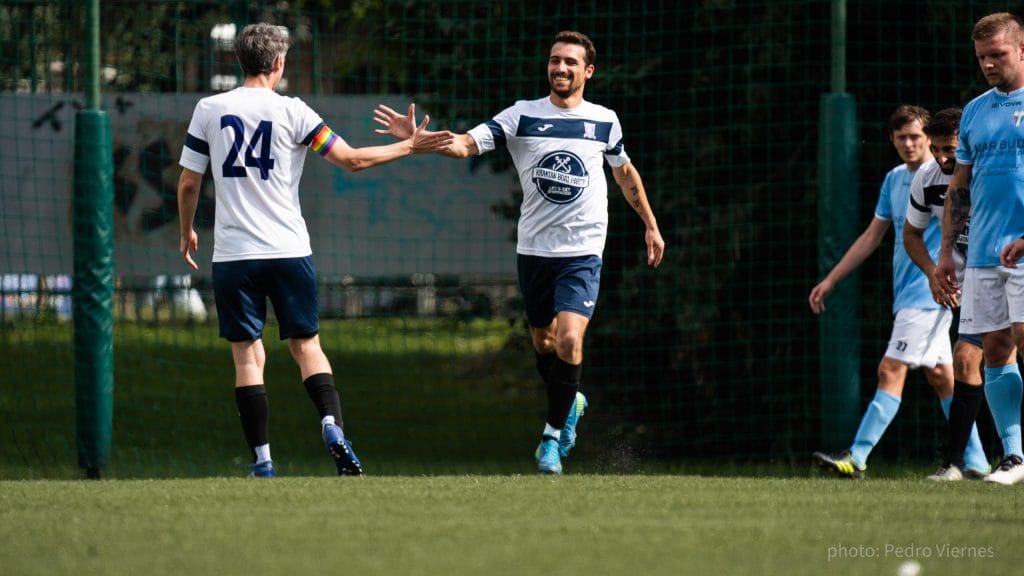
x,y
322,139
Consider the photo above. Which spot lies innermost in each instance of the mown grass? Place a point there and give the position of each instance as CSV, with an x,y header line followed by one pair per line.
x,y
445,415
508,524
413,400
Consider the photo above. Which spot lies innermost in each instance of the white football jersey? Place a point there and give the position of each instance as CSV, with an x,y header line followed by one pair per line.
x,y
559,154
927,199
256,141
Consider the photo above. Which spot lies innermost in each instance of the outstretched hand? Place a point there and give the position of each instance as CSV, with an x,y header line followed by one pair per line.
x,y
396,124
405,128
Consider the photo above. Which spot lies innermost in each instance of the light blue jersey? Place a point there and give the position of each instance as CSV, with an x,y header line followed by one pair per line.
x,y
909,285
992,142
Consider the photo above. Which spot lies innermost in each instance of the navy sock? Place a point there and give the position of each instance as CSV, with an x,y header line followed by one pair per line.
x,y
254,412
963,411
562,384
544,362
324,395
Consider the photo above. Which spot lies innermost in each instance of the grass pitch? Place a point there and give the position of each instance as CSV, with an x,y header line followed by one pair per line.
x,y
451,489
496,525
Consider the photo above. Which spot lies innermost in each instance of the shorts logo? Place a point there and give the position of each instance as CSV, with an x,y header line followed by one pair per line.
x,y
561,177
901,345
588,303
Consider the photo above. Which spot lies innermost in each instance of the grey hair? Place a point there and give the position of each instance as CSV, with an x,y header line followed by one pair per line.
x,y
258,45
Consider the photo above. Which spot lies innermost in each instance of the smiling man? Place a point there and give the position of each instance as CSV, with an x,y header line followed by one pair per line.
x,y
559,144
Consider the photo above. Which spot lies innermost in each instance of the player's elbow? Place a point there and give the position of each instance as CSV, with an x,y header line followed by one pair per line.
x,y
355,165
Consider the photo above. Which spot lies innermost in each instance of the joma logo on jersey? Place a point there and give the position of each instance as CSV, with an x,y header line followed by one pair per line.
x,y
590,130
561,177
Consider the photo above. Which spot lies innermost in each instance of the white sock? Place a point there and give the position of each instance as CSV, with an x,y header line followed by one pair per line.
x,y
325,421
262,453
552,432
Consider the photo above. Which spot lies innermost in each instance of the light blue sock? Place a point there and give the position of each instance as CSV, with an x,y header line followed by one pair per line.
x,y
1003,390
974,455
876,419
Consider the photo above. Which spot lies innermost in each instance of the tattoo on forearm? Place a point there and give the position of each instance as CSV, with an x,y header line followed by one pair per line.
x,y
635,190
960,208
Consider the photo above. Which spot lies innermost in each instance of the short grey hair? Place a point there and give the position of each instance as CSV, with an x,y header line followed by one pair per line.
x,y
258,45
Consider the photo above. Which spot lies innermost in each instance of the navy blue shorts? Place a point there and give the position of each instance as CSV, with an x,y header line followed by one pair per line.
x,y
553,285
241,289
973,339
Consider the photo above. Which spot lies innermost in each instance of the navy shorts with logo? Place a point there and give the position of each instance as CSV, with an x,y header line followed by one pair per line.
x,y
241,289
553,285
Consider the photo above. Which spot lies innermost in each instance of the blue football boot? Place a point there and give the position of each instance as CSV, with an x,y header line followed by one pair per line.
x,y
568,438
548,460
262,470
345,458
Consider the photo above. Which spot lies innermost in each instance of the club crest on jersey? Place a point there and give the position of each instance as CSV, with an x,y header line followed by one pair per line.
x,y
561,177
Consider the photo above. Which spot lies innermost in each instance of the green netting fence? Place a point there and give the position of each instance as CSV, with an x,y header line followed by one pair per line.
x,y
713,357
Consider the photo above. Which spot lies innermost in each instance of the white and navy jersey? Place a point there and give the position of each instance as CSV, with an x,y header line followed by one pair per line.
x,y
992,143
927,200
256,141
560,155
909,285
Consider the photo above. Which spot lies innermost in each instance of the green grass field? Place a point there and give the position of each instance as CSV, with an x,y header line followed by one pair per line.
x,y
413,400
508,524
445,416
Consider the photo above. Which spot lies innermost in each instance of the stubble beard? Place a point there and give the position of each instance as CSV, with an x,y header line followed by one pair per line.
x,y
571,91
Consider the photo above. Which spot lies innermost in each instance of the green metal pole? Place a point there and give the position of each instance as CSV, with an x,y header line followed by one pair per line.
x,y
839,325
839,46
93,286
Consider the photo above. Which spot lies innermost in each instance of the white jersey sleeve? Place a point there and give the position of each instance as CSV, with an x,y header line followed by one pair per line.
x,y
921,208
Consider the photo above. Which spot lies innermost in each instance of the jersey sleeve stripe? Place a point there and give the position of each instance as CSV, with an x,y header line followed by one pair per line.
x,y
496,132
198,145
321,139
615,150
917,206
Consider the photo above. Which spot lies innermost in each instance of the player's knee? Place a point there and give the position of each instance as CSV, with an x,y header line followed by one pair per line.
x,y
569,344
888,370
304,347
942,386
543,343
966,363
